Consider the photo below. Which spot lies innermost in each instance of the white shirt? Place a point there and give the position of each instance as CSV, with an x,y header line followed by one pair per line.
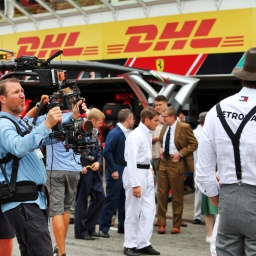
x,y
156,146
197,132
172,147
124,130
216,146
138,150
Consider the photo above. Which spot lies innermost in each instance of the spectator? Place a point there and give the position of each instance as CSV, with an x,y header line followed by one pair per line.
x,y
210,211
229,140
139,187
90,184
198,194
182,117
114,156
203,204
160,105
178,143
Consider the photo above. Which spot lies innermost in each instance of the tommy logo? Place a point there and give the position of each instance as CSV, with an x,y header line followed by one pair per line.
x,y
244,98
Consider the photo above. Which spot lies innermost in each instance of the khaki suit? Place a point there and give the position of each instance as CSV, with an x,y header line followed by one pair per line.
x,y
171,174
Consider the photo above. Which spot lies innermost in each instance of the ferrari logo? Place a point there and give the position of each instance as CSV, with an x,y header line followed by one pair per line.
x,y
160,64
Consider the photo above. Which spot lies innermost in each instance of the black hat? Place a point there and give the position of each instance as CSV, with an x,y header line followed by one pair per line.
x,y
248,71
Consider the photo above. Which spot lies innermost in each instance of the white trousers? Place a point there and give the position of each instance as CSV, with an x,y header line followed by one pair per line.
x,y
139,212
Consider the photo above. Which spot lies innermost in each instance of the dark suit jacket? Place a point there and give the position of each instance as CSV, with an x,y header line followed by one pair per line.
x,y
185,142
114,151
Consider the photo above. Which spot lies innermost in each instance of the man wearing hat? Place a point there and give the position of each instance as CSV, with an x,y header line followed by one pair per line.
x,y
229,140
198,193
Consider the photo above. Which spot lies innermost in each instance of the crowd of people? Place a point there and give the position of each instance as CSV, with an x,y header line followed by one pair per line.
x,y
142,166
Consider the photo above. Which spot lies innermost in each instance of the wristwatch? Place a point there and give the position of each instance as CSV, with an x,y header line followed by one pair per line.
x,y
37,104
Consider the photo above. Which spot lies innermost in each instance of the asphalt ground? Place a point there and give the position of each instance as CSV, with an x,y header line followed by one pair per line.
x,y
190,242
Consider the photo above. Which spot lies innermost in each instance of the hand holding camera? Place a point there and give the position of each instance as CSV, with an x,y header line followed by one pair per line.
x,y
53,117
79,109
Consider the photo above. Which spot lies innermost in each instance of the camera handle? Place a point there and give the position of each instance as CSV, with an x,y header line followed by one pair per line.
x,y
81,111
53,56
57,127
38,111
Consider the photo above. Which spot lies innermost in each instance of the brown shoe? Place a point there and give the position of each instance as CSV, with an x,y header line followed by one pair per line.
x,y
183,224
161,230
175,231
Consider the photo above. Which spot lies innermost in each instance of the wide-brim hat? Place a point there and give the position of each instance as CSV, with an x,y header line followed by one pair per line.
x,y
248,71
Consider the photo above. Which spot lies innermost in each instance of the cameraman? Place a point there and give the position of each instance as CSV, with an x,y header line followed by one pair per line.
x,y
28,217
63,169
90,184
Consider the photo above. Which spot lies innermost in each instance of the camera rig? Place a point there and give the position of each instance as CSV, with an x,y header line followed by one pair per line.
x,y
78,134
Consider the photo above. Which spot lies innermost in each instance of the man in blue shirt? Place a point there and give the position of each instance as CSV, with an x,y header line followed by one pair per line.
x,y
28,218
63,172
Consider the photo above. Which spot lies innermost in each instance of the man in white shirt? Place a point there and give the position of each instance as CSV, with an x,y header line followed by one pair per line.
x,y
178,143
139,187
182,117
236,163
198,194
160,104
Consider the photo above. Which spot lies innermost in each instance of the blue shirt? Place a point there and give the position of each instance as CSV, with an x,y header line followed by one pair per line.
x,y
31,166
57,158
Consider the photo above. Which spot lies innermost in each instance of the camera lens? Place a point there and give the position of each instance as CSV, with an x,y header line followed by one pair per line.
x,y
85,126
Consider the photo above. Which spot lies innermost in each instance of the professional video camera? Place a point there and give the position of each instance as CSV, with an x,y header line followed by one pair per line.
x,y
75,134
86,146
78,135
87,156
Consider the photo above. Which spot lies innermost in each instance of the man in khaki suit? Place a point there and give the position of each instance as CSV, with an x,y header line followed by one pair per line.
x,y
176,155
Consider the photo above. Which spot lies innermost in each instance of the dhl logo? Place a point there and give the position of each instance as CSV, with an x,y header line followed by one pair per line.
x,y
174,36
145,37
52,43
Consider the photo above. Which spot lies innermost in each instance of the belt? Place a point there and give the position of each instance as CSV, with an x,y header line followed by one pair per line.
x,y
24,191
141,166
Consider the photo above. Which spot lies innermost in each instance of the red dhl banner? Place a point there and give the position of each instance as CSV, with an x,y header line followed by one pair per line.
x,y
197,33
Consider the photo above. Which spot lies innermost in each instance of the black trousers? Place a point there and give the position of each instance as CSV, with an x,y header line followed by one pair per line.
x,y
31,228
87,212
114,200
